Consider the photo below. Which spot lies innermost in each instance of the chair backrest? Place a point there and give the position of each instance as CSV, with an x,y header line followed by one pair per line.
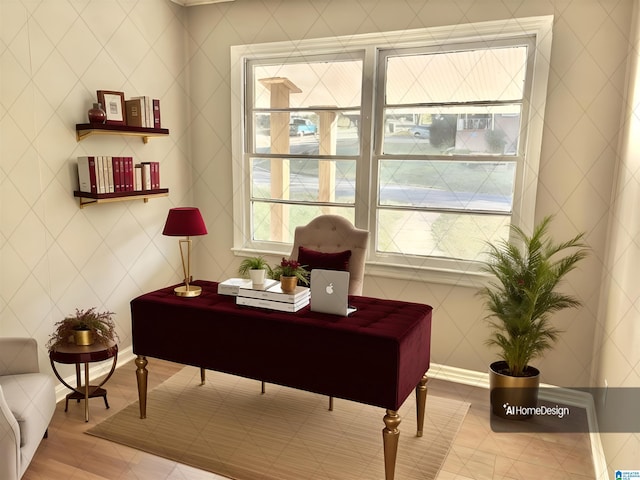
x,y
333,234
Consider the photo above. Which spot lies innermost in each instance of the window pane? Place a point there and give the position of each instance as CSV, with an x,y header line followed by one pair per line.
x,y
307,180
460,130
327,83
277,222
304,133
459,236
463,76
480,186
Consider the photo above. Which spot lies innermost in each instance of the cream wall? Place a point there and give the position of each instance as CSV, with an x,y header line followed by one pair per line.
x,y
617,353
54,257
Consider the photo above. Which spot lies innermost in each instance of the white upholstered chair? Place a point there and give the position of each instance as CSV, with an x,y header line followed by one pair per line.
x,y
27,403
333,234
325,242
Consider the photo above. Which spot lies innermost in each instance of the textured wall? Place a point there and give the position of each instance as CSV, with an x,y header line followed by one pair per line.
x,y
54,257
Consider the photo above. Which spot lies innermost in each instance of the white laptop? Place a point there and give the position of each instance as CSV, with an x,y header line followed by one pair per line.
x,y
330,292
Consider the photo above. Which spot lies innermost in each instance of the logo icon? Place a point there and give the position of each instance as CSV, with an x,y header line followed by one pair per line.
x,y
329,289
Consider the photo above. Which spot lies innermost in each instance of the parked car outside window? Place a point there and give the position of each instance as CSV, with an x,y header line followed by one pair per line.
x,y
301,126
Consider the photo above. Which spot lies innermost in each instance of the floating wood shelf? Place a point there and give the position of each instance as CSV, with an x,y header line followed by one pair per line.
x,y
84,130
86,198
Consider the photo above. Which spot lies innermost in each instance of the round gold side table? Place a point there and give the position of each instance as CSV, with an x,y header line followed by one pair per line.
x,y
77,354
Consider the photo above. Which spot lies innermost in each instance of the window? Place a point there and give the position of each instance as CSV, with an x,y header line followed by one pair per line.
x,y
429,139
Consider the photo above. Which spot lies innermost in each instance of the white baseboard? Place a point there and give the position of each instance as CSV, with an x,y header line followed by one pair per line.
x,y
551,393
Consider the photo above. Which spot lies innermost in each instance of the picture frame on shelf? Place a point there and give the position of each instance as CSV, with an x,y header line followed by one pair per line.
x,y
113,104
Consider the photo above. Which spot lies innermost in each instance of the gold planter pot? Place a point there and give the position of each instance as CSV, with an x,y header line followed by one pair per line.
x,y
288,284
513,397
83,337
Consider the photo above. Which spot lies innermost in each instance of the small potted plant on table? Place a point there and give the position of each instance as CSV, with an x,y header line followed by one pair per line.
x,y
290,272
256,268
84,328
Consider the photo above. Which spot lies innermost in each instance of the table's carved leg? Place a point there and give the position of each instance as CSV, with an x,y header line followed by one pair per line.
x,y
331,404
421,402
203,376
262,387
390,436
141,375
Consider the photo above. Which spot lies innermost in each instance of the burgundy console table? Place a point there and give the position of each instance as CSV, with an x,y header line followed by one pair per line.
x,y
377,356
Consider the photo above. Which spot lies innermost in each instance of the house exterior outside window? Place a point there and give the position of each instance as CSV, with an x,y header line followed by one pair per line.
x,y
429,139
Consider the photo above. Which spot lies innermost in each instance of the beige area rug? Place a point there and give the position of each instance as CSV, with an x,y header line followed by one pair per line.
x,y
229,428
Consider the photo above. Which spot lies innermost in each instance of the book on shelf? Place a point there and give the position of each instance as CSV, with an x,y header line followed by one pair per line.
x,y
276,294
271,304
105,174
134,112
137,178
87,180
156,113
146,175
146,111
231,286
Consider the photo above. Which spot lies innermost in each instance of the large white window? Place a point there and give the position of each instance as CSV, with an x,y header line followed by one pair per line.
x,y
429,139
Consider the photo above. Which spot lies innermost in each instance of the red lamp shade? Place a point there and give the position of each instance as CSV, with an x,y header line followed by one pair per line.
x,y
184,222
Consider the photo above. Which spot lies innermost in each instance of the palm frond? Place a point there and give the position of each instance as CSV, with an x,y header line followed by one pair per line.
x,y
523,296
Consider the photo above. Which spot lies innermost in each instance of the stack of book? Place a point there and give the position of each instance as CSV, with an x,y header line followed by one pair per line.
x,y
143,112
105,174
273,298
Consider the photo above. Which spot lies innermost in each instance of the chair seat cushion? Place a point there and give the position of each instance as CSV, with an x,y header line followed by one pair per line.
x,y
31,399
326,261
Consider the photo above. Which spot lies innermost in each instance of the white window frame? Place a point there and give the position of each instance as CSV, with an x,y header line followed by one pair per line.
x,y
448,271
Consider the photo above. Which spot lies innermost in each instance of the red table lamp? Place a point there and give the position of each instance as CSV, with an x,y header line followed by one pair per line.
x,y
185,222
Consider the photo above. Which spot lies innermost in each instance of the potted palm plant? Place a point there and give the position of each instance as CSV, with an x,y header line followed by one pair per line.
x,y
521,301
256,268
85,327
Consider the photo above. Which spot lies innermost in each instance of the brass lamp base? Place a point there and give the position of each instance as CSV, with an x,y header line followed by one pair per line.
x,y
187,290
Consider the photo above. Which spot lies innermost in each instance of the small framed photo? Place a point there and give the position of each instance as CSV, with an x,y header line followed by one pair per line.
x,y
113,104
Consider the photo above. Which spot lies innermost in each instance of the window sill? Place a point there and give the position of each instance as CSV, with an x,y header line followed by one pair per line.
x,y
469,279
459,278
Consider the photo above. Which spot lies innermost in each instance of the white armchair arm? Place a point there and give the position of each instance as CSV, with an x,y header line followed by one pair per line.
x,y
9,441
27,403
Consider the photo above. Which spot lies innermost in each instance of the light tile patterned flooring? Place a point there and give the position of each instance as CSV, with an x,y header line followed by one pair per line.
x,y
478,453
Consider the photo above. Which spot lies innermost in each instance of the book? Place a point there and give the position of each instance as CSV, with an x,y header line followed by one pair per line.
x,y
155,175
146,117
231,286
156,113
117,174
276,294
134,112
137,178
271,304
108,166
87,180
100,174
146,175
